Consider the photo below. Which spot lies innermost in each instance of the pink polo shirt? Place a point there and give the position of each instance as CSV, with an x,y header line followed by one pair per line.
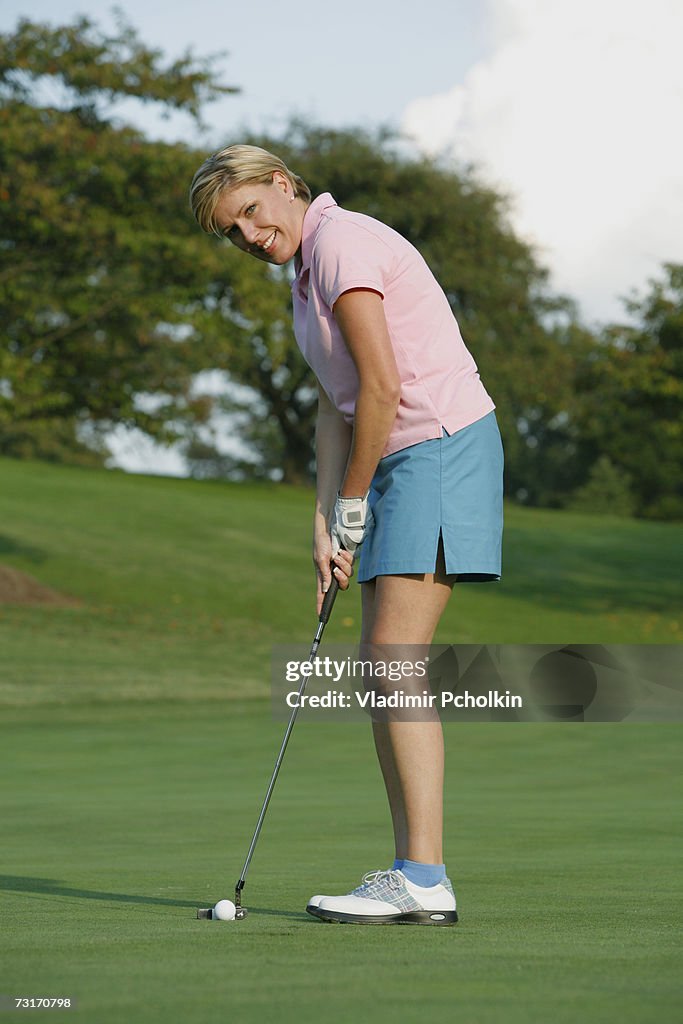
x,y
440,385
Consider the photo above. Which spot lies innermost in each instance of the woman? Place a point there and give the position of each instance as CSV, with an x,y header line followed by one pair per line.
x,y
409,463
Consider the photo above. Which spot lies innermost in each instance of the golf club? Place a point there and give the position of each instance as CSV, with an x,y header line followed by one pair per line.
x,y
325,611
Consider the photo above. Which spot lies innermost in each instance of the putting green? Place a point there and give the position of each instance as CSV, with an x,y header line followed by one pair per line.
x,y
118,822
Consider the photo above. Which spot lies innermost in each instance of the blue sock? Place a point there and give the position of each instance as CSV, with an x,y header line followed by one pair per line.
x,y
397,865
425,875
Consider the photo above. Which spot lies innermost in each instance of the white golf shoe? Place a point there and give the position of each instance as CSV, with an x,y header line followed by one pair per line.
x,y
315,902
388,897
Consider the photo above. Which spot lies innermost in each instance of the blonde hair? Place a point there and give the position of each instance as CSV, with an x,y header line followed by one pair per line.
x,y
233,166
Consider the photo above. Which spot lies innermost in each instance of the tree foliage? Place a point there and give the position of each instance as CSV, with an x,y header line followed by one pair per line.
x,y
112,301
96,68
101,267
629,398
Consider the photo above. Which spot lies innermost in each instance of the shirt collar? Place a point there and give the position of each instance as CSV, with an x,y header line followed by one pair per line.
x,y
312,219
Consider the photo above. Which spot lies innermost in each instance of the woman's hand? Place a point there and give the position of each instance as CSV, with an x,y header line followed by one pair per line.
x,y
350,521
322,559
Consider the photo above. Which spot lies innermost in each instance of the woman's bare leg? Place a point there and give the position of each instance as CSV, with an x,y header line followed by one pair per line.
x,y
404,610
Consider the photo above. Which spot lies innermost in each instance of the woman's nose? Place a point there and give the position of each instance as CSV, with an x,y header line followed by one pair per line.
x,y
249,233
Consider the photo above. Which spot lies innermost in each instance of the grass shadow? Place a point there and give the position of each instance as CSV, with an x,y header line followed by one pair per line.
x,y
10,546
52,887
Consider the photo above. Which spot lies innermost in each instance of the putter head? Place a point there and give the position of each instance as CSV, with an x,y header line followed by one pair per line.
x,y
206,913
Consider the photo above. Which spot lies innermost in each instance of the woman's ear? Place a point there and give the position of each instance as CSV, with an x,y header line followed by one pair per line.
x,y
282,180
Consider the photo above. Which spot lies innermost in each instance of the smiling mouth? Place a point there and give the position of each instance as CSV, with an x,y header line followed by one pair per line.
x,y
269,242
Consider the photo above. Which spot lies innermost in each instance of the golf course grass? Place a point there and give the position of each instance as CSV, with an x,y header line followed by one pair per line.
x,y
137,740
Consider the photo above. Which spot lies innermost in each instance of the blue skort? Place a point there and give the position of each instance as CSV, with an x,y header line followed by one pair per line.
x,y
451,487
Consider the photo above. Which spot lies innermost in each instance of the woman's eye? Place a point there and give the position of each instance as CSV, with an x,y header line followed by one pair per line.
x,y
250,209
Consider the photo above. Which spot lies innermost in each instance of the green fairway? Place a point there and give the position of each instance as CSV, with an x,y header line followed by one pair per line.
x,y
561,840
137,741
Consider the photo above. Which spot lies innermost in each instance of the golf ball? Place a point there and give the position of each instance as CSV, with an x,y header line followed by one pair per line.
x,y
224,910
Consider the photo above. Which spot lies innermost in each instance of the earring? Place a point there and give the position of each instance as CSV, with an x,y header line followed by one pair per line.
x,y
292,197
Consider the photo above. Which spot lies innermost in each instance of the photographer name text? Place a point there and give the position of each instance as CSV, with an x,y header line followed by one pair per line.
x,y
369,700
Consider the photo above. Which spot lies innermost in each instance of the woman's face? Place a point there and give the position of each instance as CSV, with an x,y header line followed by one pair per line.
x,y
262,219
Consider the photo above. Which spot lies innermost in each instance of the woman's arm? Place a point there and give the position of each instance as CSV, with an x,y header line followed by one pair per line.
x,y
332,443
347,458
360,316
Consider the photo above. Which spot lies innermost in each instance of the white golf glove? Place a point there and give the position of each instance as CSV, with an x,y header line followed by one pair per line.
x,y
350,520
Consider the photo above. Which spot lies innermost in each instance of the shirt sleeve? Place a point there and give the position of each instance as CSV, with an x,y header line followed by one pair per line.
x,y
347,255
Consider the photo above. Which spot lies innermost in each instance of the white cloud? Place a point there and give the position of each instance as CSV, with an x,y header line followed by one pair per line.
x,y
577,114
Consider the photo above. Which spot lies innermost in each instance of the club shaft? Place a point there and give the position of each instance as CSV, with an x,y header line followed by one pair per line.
x,y
322,622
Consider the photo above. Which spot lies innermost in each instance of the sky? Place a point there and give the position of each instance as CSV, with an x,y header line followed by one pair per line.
x,y
572,108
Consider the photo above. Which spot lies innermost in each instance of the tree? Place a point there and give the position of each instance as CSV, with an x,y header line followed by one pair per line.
x,y
272,393
101,266
607,490
630,398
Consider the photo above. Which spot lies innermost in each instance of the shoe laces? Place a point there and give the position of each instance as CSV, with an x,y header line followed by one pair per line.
x,y
391,877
